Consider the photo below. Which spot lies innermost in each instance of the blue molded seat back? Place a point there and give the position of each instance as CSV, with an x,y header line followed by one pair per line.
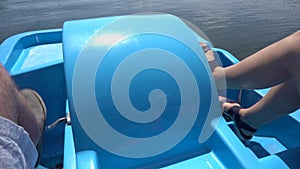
x,y
139,88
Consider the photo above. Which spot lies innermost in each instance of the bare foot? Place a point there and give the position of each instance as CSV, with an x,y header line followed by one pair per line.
x,y
226,103
216,68
210,56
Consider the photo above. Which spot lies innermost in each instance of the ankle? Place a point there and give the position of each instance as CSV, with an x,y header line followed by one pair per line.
x,y
219,77
247,118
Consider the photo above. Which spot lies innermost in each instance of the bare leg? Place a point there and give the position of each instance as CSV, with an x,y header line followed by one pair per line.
x,y
279,101
271,66
275,66
14,107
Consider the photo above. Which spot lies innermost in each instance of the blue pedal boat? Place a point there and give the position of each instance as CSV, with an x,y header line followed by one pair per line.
x,y
136,92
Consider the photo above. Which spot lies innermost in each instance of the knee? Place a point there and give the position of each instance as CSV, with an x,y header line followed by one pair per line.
x,y
295,43
296,37
298,31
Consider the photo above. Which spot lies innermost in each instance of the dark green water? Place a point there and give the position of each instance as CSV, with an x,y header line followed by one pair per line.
x,y
239,26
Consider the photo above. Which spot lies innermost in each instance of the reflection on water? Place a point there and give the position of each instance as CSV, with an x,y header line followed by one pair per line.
x,y
2,7
242,27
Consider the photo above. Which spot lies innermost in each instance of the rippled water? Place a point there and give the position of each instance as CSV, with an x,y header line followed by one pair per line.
x,y
242,27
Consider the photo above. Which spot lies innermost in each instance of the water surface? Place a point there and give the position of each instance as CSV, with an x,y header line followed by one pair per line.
x,y
239,26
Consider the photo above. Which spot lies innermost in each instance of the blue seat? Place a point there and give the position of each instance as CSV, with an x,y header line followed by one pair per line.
x,y
140,91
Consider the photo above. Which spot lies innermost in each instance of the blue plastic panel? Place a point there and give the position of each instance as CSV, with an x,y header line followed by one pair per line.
x,y
95,52
273,161
15,50
88,159
69,147
206,161
39,56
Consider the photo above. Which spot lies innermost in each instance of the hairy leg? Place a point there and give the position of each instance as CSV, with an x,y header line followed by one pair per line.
x,y
270,66
279,101
8,105
14,107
